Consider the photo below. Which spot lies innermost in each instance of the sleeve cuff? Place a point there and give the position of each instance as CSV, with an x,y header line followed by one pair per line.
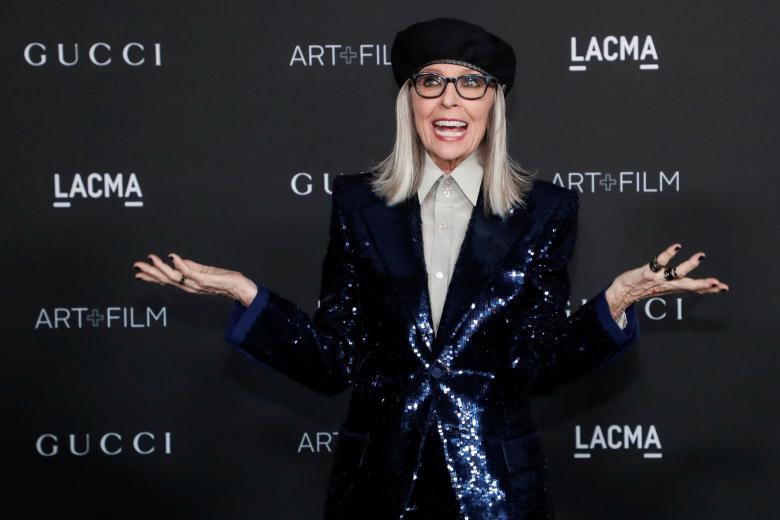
x,y
620,335
621,321
243,318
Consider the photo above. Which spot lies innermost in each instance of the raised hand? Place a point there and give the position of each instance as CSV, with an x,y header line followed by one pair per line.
x,y
636,284
192,277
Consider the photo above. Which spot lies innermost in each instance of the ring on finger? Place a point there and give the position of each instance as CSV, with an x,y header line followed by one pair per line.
x,y
654,265
670,273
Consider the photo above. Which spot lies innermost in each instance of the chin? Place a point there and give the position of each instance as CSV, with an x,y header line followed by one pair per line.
x,y
449,153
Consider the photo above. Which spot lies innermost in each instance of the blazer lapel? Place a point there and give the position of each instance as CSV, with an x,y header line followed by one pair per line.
x,y
486,244
397,233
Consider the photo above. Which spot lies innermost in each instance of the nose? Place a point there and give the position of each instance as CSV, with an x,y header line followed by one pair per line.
x,y
450,97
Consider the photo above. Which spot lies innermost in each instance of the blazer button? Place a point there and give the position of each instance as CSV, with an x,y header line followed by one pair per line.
x,y
436,372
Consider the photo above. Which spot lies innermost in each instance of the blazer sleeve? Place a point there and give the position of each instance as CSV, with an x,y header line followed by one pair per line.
x,y
549,348
321,351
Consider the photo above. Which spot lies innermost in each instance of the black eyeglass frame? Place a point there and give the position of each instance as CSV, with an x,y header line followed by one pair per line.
x,y
489,80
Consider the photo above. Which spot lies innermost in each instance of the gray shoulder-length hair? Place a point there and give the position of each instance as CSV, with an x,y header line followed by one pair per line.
x,y
504,181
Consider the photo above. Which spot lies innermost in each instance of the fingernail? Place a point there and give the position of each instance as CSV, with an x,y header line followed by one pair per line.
x,y
170,256
677,248
137,278
723,290
701,257
136,268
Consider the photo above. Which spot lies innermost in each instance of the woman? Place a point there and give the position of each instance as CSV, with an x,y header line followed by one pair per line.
x,y
443,292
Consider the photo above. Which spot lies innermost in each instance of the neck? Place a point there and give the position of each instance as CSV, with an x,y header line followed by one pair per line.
x,y
447,165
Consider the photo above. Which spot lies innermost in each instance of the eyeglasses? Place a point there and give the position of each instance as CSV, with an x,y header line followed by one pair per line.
x,y
468,86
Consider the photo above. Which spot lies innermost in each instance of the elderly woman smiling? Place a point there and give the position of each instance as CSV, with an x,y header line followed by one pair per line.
x,y
443,296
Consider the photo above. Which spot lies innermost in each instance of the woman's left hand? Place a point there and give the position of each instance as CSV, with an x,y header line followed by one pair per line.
x,y
642,282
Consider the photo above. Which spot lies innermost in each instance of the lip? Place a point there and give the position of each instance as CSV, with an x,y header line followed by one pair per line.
x,y
445,138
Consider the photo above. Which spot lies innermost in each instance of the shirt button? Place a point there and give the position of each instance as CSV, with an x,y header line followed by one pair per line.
x,y
439,275
442,226
447,182
436,372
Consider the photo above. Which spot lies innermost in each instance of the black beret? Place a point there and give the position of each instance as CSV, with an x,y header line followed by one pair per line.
x,y
447,40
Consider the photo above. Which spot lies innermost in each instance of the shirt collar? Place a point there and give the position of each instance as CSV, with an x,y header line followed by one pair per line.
x,y
468,176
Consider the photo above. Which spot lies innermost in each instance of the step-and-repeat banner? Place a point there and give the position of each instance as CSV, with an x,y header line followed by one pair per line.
x,y
215,129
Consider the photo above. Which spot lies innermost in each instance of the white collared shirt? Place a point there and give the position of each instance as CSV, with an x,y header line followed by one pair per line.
x,y
446,204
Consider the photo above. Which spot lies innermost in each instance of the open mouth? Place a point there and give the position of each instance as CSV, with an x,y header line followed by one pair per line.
x,y
449,128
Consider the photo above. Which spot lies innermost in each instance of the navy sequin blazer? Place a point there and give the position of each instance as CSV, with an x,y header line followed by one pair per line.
x,y
504,335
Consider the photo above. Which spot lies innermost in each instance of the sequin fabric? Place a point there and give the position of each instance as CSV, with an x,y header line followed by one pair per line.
x,y
504,336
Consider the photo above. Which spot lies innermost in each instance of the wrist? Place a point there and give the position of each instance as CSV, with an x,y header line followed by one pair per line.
x,y
245,291
618,300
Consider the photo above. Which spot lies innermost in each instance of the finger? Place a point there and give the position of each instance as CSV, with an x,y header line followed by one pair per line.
x,y
667,254
149,278
718,285
195,266
683,268
176,277
171,274
192,270
208,278
697,285
152,272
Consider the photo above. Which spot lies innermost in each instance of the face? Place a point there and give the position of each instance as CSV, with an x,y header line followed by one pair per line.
x,y
448,146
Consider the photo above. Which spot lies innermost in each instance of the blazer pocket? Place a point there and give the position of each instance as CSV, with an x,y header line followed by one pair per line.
x,y
351,446
347,461
523,453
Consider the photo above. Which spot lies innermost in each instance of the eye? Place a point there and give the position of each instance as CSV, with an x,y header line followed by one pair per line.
x,y
472,81
430,81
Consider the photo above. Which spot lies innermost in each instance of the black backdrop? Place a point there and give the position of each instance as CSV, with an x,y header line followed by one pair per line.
x,y
212,129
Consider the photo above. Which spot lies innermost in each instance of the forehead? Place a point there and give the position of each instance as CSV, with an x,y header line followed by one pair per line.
x,y
449,69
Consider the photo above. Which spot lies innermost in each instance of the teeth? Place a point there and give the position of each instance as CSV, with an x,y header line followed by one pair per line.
x,y
450,133
449,123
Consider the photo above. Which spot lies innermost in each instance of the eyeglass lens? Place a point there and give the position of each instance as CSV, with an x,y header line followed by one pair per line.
x,y
468,86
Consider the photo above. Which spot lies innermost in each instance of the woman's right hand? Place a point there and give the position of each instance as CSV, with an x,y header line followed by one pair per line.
x,y
198,278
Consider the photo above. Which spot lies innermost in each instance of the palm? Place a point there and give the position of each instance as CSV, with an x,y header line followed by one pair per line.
x,y
198,278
